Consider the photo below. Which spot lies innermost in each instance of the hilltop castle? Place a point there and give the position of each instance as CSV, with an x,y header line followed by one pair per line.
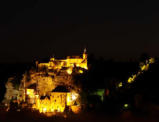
x,y
51,88
69,62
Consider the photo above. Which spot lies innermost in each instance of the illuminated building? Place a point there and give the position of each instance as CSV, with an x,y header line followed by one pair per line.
x,y
56,98
50,88
69,62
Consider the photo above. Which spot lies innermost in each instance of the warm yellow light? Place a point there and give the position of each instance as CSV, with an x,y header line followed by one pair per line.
x,y
144,67
68,99
81,71
120,84
71,97
69,71
74,96
55,103
152,60
68,62
76,109
30,93
44,110
126,105
131,79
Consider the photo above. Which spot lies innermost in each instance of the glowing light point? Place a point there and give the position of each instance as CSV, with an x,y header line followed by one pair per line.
x,y
120,84
74,96
69,71
132,79
81,71
126,105
152,60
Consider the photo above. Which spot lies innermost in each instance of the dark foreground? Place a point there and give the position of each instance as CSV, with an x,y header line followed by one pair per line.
x,y
126,116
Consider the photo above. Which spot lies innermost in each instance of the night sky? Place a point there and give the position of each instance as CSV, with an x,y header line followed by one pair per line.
x,y
35,29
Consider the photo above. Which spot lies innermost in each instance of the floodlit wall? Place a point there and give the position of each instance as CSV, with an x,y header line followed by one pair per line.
x,y
68,62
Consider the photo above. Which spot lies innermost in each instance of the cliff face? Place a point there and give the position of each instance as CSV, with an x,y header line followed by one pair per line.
x,y
11,91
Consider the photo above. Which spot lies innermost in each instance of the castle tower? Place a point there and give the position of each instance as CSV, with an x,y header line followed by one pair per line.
x,y
85,59
85,54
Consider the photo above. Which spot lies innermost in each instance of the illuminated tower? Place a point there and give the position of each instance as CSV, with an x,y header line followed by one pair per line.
x,y
85,54
85,59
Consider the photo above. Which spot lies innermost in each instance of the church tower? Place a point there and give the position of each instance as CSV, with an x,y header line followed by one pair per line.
x,y
85,59
85,54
